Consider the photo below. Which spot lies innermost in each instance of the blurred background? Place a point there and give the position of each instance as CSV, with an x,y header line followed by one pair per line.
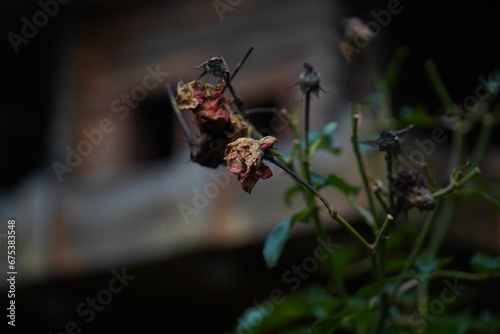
x,y
89,65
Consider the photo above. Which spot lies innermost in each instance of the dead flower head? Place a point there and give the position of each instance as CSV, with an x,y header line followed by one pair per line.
x,y
389,141
213,116
244,159
410,190
309,80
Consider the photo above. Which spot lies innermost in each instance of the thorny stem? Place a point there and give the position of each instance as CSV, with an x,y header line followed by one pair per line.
x,y
305,158
359,158
332,212
320,230
228,78
388,158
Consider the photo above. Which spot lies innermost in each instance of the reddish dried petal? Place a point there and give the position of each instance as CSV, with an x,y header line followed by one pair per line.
x,y
244,159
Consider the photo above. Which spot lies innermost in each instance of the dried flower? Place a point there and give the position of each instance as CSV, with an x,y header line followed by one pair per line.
x,y
309,80
244,159
410,190
213,116
389,141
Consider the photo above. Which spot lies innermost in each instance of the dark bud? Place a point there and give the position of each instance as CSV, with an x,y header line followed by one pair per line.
x,y
215,66
389,141
309,80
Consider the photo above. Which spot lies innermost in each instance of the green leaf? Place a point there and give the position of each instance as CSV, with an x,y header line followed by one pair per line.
x,y
274,315
275,242
483,263
321,140
427,266
375,288
321,181
329,324
273,246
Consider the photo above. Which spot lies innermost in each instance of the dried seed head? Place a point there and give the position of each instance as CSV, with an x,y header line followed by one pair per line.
x,y
309,80
389,141
215,66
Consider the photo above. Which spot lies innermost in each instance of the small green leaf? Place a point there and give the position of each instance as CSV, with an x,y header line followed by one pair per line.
x,y
483,263
321,181
427,266
329,324
321,139
375,288
275,241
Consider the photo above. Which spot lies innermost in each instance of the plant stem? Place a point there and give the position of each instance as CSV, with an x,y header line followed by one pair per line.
x,y
388,158
237,101
182,122
443,228
422,237
239,65
332,212
438,84
457,184
381,85
359,159
388,220
482,141
430,177
381,201
305,158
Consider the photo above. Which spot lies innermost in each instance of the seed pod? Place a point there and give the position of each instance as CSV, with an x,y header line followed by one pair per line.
x,y
309,80
215,66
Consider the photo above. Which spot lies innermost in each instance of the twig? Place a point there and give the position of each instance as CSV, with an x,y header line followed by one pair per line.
x,y
359,158
182,122
332,212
